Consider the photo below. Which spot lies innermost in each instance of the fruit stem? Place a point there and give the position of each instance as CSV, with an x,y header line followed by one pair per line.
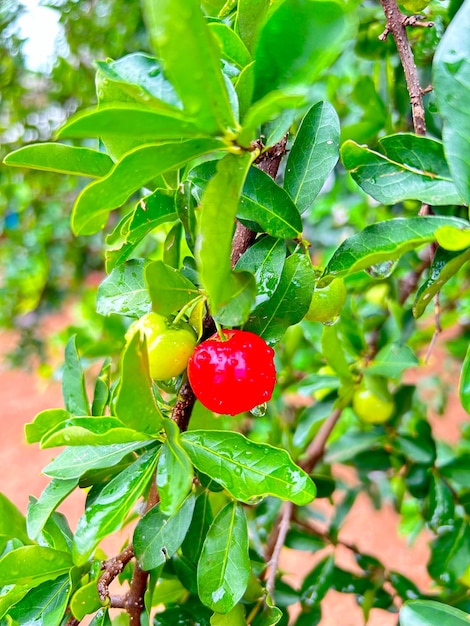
x,y
186,307
220,332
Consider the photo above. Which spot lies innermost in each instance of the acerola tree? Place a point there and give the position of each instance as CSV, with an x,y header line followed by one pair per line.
x,y
248,236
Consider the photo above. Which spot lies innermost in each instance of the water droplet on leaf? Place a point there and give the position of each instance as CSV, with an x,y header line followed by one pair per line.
x,y
259,410
382,270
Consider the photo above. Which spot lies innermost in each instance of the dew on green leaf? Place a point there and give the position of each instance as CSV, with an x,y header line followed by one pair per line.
x,y
382,270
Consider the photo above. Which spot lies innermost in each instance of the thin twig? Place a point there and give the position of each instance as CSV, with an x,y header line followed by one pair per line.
x,y
282,530
316,449
112,568
396,25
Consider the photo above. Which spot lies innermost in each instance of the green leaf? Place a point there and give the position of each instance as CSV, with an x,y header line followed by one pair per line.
x,y
464,382
334,353
298,41
196,535
410,168
57,157
85,600
101,392
40,510
313,155
265,259
247,470
392,360
10,596
136,168
250,16
231,294
101,618
76,461
152,211
317,583
235,617
445,266
157,537
451,80
429,613
191,58
44,422
450,553
109,509
91,431
232,47
379,244
288,304
45,605
168,288
32,565
441,505
174,471
124,120
124,291
135,402
224,566
267,204
73,381
12,521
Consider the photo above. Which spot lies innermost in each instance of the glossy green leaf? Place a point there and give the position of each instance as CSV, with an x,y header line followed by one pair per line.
x,y
73,381
85,601
235,617
157,536
168,288
288,304
224,566
109,509
40,510
76,461
57,157
267,204
464,382
334,353
174,471
150,212
445,265
124,292
298,41
313,155
12,521
44,422
10,596
430,613
101,392
136,168
451,80
247,470
250,16
91,431
380,244
135,402
450,553
453,239
232,47
32,565
265,259
189,53
441,505
231,294
56,532
140,123
392,360
45,605
101,618
196,535
269,616
409,167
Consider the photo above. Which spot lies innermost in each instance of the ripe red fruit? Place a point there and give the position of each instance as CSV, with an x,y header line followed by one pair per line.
x,y
233,375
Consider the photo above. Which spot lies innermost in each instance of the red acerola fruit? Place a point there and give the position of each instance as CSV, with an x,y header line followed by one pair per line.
x,y
234,374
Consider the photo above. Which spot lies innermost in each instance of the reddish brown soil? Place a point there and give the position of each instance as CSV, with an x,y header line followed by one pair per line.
x,y
25,394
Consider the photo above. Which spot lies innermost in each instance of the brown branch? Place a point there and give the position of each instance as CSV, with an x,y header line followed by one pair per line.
x,y
396,24
316,449
183,408
283,526
112,568
134,602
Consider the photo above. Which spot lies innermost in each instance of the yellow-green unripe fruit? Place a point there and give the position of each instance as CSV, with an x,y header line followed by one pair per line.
x,y
327,303
372,408
168,346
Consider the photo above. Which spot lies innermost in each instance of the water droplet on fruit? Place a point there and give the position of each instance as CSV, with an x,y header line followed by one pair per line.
x,y
203,357
259,410
382,270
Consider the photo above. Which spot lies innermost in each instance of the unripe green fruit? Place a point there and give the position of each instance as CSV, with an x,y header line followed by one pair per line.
x,y
371,408
168,346
415,6
327,303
